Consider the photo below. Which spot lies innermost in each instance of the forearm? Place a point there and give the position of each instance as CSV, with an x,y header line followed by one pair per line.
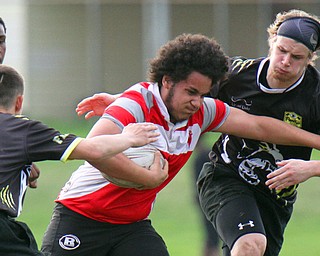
x,y
268,129
292,172
123,168
313,167
100,147
133,135
279,132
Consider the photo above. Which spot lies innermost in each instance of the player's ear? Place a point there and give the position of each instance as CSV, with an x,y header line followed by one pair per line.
x,y
311,57
18,105
166,82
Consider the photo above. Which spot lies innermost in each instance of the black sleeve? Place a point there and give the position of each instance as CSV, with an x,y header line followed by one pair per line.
x,y
44,143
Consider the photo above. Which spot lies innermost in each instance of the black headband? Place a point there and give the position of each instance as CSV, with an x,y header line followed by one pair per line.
x,y
302,29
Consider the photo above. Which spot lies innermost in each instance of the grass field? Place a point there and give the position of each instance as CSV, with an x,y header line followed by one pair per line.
x,y
175,216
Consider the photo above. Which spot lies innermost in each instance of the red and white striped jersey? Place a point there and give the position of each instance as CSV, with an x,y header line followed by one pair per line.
x,y
89,194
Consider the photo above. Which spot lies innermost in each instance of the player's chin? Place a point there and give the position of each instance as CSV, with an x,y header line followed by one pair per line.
x,y
181,116
282,77
186,115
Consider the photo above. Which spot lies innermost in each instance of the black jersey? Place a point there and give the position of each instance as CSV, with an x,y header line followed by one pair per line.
x,y
298,105
23,141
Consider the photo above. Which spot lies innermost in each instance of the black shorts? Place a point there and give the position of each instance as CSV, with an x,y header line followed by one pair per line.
x,y
235,209
70,233
16,238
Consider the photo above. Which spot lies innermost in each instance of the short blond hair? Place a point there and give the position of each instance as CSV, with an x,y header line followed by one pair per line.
x,y
281,17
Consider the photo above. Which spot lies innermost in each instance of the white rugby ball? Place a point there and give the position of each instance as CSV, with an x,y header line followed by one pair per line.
x,y
143,156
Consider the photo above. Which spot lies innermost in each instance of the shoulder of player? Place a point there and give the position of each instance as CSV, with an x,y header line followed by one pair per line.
x,y
143,93
137,89
22,117
240,64
213,114
211,103
20,124
26,119
29,123
9,118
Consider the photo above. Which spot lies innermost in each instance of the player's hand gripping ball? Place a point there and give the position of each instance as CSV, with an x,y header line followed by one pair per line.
x,y
143,156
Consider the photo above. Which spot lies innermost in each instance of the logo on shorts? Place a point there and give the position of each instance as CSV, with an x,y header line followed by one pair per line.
x,y
69,242
250,224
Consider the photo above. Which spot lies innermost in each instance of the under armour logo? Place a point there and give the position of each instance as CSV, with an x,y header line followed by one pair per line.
x,y
69,242
250,223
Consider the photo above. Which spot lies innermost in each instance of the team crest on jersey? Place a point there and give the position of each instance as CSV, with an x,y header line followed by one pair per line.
x,y
293,118
69,242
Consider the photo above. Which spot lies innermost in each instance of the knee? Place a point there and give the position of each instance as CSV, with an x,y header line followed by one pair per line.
x,y
250,245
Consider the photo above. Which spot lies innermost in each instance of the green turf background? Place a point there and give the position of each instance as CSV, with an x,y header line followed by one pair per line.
x,y
174,216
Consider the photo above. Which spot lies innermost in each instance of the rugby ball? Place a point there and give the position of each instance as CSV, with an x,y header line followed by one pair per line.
x,y
143,156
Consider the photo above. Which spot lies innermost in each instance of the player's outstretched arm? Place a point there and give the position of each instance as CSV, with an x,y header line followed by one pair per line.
x,y
103,146
292,172
267,129
95,105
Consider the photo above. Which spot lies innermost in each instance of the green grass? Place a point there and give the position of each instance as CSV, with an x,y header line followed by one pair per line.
x,y
174,216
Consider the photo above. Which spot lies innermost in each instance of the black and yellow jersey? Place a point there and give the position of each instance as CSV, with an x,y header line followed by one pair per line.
x,y
246,88
23,141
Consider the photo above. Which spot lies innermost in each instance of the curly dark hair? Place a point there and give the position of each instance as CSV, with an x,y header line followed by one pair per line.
x,y
188,53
